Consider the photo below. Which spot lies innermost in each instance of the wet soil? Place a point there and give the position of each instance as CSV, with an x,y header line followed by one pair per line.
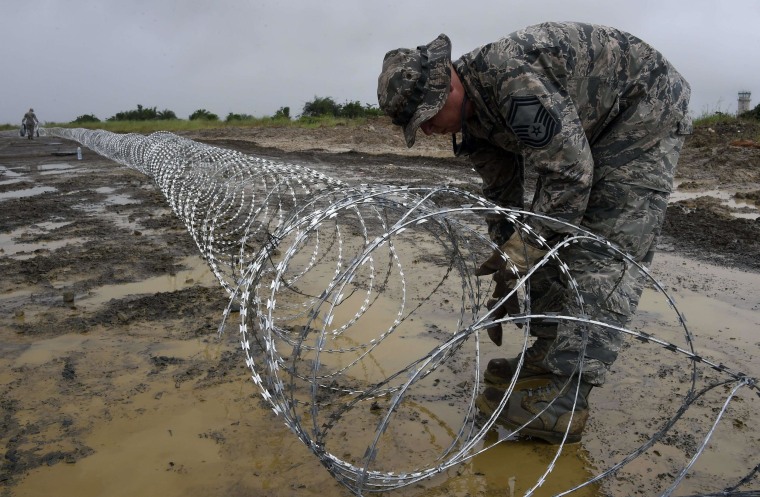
x,y
113,380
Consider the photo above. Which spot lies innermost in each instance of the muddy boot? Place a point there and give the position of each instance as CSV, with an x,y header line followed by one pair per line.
x,y
531,396
499,372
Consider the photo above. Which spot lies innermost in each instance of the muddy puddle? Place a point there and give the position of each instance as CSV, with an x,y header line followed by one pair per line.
x,y
197,273
27,192
737,208
127,389
158,439
12,244
136,414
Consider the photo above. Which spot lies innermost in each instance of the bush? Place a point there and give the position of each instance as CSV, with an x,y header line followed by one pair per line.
x,y
86,118
320,106
203,114
714,118
352,110
282,113
166,114
143,114
326,106
372,111
238,117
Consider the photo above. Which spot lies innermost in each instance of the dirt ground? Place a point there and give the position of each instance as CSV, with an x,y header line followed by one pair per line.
x,y
114,382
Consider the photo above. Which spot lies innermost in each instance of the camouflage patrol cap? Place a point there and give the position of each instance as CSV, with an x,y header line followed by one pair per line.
x,y
414,84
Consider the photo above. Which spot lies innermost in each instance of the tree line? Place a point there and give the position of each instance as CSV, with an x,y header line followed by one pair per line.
x,y
318,107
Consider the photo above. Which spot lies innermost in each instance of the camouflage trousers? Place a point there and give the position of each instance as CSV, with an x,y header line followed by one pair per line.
x,y
609,286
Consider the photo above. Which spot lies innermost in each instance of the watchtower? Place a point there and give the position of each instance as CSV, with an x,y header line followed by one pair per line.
x,y
744,98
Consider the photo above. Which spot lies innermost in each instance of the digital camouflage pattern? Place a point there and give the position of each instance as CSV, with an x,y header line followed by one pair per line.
x,y
414,84
631,217
601,117
611,95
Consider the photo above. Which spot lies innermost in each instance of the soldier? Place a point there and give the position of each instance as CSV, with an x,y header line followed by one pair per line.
x,y
600,118
30,122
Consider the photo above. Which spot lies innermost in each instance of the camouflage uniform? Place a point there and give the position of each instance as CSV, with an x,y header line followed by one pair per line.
x,y
601,117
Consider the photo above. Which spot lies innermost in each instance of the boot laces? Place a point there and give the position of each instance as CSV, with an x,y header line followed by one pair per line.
x,y
542,390
532,353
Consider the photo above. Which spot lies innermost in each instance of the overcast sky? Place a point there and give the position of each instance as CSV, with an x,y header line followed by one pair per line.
x,y
66,58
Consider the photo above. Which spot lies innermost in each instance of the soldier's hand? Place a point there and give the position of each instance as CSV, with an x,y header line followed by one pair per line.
x,y
510,306
522,255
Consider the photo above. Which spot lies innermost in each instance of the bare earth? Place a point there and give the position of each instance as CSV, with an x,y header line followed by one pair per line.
x,y
114,382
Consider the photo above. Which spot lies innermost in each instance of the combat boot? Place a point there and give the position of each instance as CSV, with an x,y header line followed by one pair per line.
x,y
499,372
551,394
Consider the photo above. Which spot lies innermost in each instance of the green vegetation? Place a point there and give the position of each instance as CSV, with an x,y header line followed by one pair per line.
x,y
143,114
718,127
238,117
326,106
751,117
320,112
86,118
179,125
718,116
203,114
282,113
144,127
715,118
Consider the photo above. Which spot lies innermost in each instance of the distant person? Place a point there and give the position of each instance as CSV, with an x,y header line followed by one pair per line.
x,y
600,117
30,123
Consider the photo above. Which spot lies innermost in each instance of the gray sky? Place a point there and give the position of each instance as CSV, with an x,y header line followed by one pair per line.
x,y
66,58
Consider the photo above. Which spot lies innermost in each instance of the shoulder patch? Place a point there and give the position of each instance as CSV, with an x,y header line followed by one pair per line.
x,y
531,122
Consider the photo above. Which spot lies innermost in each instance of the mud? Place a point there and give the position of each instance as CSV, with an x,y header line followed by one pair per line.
x,y
113,380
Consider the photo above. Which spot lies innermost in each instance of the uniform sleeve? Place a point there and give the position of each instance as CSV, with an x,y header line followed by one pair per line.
x,y
503,184
552,141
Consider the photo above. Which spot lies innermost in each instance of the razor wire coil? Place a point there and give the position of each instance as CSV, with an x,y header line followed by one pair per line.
x,y
321,271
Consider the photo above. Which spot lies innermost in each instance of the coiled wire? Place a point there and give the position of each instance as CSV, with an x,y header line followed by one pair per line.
x,y
359,310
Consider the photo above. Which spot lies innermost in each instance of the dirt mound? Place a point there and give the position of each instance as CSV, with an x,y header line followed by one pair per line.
x,y
723,132
725,153
376,136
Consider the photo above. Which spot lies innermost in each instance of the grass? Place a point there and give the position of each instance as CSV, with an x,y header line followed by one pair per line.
x,y
750,126
175,125
716,118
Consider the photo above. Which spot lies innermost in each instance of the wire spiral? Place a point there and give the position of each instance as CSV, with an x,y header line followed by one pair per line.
x,y
360,314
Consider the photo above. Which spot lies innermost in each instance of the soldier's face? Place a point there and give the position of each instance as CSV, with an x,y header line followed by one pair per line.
x,y
449,118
